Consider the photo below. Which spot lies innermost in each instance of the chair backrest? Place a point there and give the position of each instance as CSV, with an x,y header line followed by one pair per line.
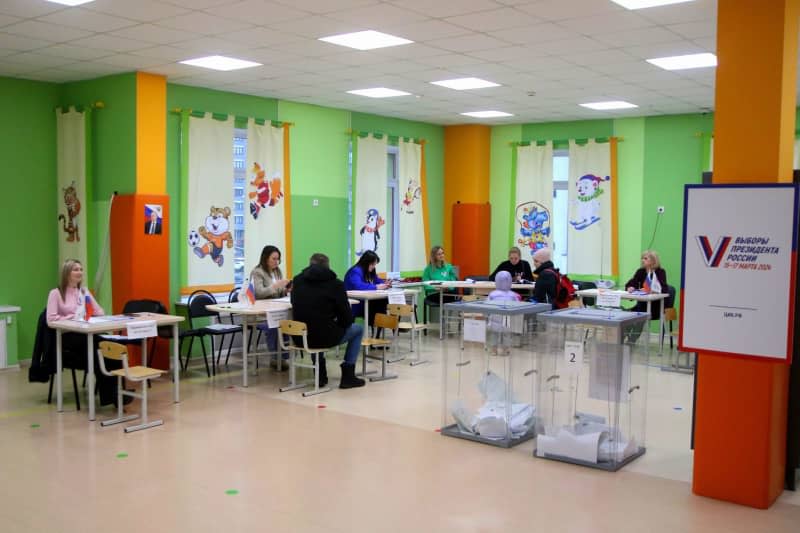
x,y
144,306
385,321
112,350
479,278
669,301
472,297
293,327
401,310
233,296
198,301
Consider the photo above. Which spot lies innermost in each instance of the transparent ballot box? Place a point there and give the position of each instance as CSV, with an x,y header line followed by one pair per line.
x,y
489,381
593,395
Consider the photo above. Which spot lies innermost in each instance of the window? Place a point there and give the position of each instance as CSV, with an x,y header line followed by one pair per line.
x,y
559,223
239,182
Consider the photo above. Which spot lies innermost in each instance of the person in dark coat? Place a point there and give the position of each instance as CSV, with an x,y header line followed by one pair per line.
x,y
546,277
320,300
650,278
519,269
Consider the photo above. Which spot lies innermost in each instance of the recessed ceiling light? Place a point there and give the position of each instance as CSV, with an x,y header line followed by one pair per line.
x,y
487,114
684,62
605,106
641,4
379,92
220,63
365,40
70,2
462,84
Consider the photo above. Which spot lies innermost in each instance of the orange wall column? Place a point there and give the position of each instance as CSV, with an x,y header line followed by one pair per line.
x,y
466,180
740,433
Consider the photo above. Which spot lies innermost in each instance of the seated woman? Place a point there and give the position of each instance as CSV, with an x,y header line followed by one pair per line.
x,y
519,269
68,302
269,282
362,277
437,270
650,278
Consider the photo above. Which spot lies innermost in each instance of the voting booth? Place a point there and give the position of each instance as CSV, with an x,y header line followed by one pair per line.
x,y
592,399
490,381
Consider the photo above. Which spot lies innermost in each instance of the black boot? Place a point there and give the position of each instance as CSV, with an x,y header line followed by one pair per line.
x,y
323,371
349,379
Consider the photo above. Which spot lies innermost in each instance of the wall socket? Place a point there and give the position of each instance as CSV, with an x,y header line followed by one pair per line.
x,y
315,202
660,209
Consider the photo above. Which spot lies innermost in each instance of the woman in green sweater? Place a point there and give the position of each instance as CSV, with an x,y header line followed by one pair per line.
x,y
438,270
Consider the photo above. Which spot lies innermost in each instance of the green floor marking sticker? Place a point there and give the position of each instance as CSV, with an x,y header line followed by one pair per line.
x,y
122,455
34,426
231,492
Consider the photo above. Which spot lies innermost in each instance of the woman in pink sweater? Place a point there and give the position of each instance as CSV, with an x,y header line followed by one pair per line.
x,y
69,301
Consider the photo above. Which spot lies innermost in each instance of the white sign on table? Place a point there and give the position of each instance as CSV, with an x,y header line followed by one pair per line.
x,y
606,298
397,297
142,329
274,318
738,259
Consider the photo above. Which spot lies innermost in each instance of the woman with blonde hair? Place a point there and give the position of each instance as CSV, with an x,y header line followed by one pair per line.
x,y
437,270
649,278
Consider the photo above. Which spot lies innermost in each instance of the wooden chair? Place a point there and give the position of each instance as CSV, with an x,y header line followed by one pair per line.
x,y
382,322
292,329
408,322
142,374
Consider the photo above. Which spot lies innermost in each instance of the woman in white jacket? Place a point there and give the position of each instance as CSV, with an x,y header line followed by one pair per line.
x,y
268,282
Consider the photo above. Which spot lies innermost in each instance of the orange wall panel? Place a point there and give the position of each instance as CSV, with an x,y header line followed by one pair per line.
x,y
471,228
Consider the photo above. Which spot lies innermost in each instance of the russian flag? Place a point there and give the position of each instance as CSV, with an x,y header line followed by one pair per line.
x,y
88,305
250,292
647,287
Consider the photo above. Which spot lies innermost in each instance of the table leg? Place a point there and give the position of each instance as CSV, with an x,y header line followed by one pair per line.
x,y
366,322
144,351
90,373
661,329
176,364
244,353
441,314
59,364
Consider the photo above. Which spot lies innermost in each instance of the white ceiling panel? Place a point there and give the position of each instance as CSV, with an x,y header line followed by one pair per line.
x,y
46,31
427,30
140,10
447,61
39,61
468,43
151,33
378,16
69,52
110,42
28,8
684,12
167,53
674,48
129,61
534,34
260,36
610,23
561,10
445,8
326,6
695,30
200,4
494,20
258,12
204,46
5,20
21,43
203,23
316,26
637,37
87,20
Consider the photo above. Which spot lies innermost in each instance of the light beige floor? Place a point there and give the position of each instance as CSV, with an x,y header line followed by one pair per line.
x,y
370,460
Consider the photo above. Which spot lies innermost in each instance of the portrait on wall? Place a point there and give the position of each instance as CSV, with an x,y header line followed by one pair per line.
x,y
152,219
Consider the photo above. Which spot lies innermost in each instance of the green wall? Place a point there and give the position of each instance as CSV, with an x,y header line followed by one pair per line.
x,y
210,101
28,151
319,143
434,159
500,189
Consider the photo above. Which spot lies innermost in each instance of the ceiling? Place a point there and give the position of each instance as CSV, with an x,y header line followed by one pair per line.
x,y
548,55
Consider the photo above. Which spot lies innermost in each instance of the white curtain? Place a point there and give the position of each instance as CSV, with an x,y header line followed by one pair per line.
x,y
533,212
210,201
589,193
369,202
413,255
71,191
264,221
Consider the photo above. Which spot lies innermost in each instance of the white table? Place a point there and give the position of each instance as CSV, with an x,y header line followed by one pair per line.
x,y
366,296
108,325
251,314
625,295
486,286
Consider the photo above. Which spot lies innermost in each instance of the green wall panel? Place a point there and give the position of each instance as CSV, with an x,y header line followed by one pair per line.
x,y
319,229
434,159
28,152
210,101
500,188
560,131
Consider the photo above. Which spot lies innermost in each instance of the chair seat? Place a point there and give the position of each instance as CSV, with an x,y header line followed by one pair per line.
x,y
375,342
138,373
408,325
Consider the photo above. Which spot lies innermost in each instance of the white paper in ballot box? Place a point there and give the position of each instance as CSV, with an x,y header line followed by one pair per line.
x,y
274,318
142,329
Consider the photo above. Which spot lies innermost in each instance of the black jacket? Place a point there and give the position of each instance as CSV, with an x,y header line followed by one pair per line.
x,y
637,282
522,267
546,283
43,359
319,300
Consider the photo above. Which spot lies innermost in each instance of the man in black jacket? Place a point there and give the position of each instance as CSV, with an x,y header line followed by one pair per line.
x,y
319,300
519,269
547,280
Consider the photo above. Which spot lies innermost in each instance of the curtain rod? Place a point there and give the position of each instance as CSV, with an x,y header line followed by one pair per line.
x,y
584,140
94,105
380,134
276,123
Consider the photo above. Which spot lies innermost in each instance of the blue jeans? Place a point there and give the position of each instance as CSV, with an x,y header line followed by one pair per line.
x,y
272,343
352,336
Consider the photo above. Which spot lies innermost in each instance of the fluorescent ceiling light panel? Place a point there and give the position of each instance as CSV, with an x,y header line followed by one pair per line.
x,y
379,92
463,84
365,40
641,4
70,2
487,114
605,106
685,62
220,63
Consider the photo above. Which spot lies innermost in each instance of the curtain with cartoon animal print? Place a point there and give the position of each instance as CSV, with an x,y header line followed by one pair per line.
x,y
412,237
71,132
590,225
533,199
210,201
265,209
370,198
